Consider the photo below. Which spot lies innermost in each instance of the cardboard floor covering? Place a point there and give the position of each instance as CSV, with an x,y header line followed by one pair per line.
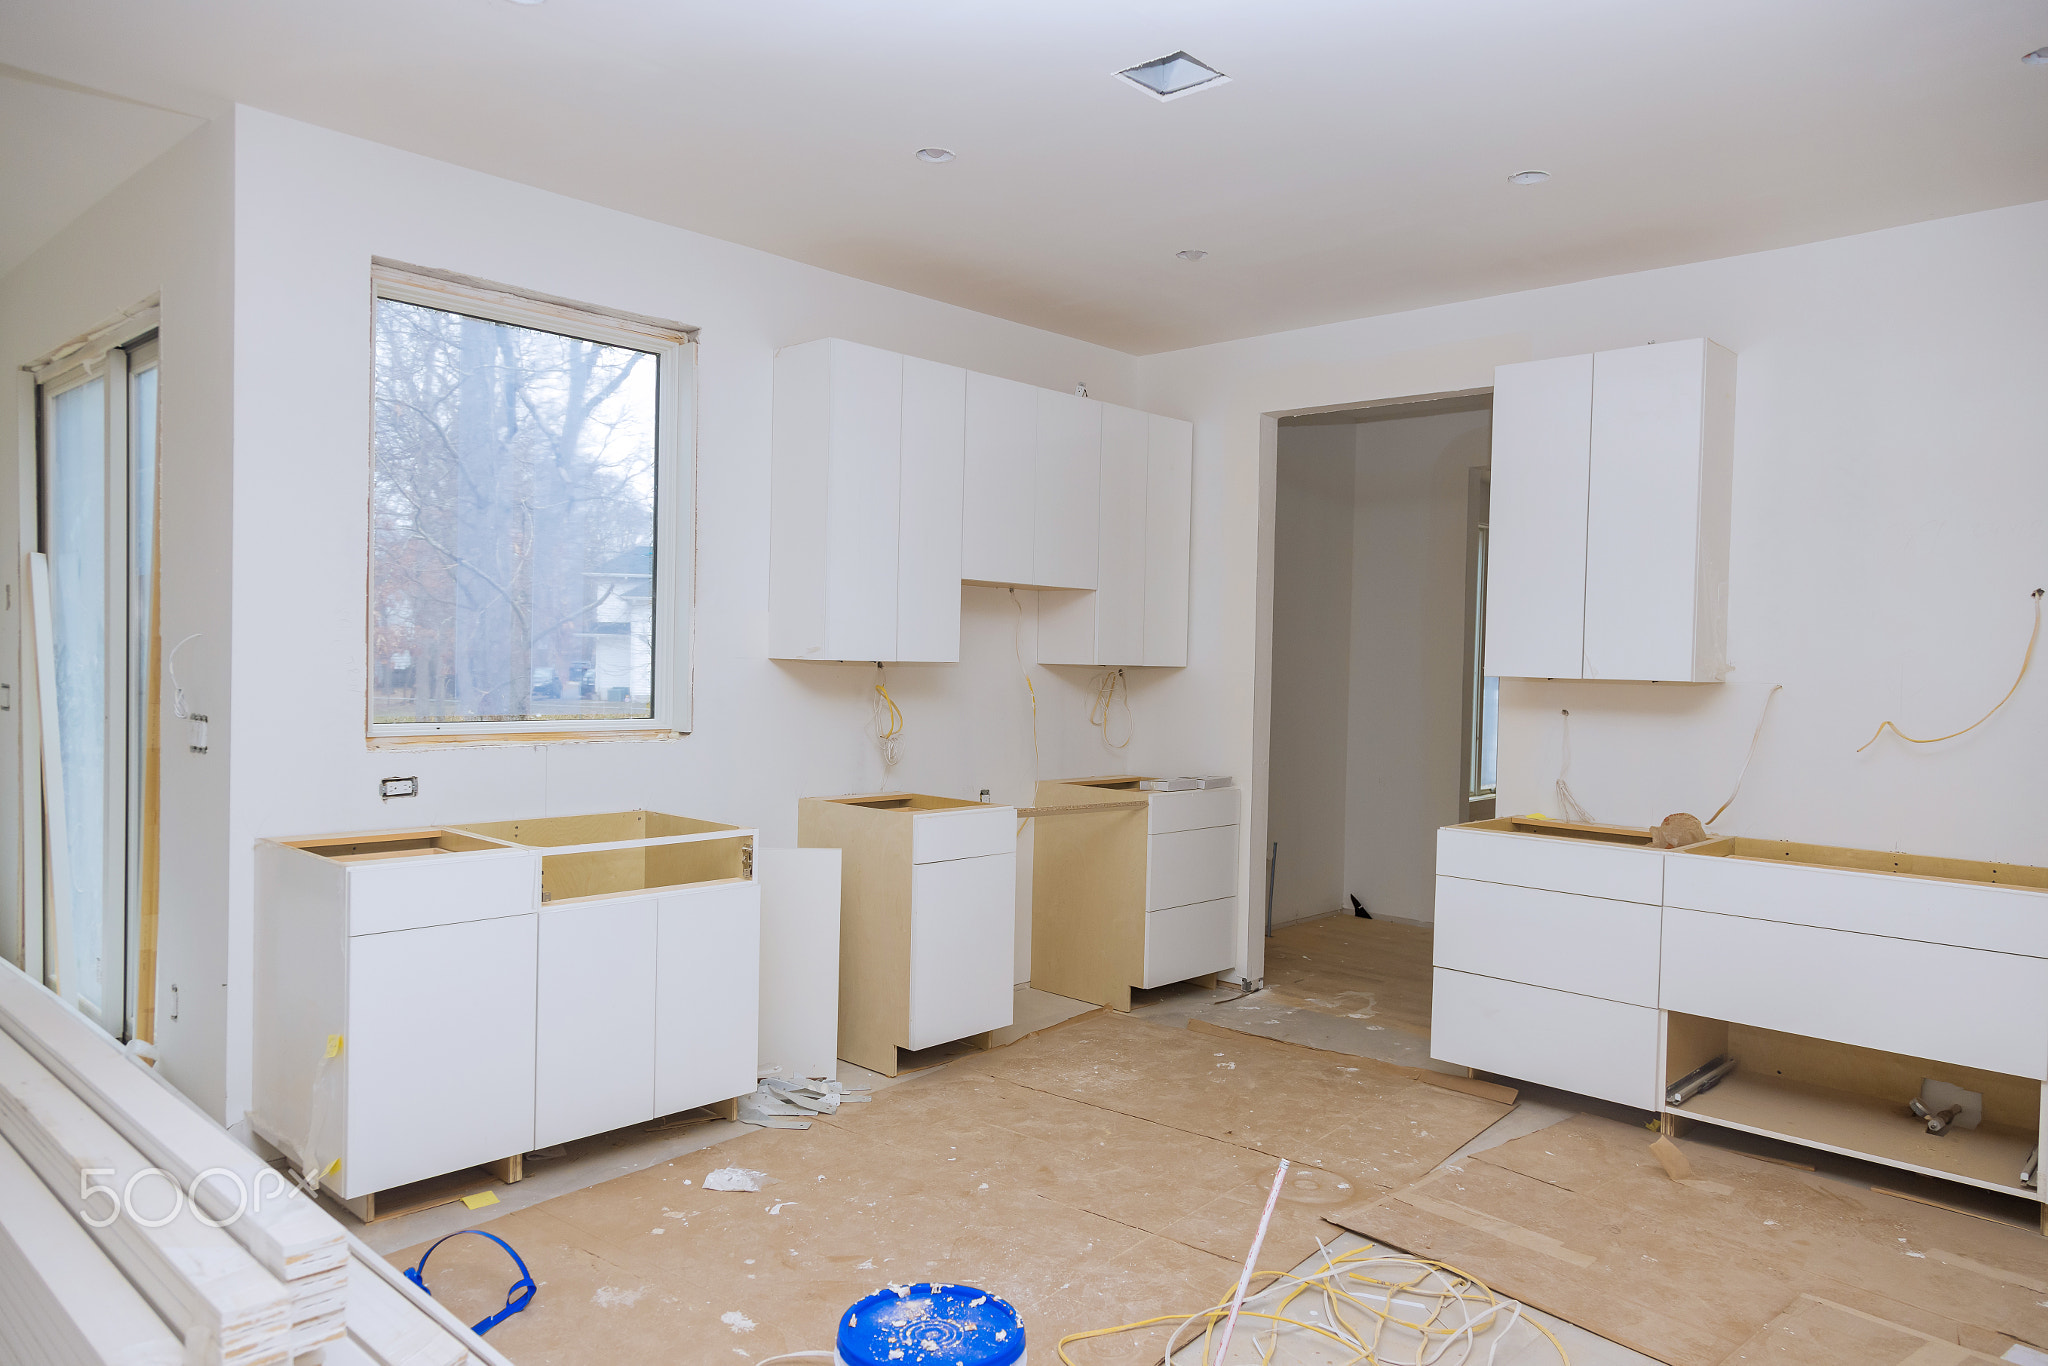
x,y
1103,1171
1357,968
1579,1220
1815,1332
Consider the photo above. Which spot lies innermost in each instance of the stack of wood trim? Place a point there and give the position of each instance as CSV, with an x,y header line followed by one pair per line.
x,y
277,1280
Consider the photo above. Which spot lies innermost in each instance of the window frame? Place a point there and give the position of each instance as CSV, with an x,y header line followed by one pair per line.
x,y
672,652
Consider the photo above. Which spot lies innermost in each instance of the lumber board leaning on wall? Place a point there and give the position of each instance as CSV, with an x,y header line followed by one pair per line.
x,y
284,1230
62,1303
222,1304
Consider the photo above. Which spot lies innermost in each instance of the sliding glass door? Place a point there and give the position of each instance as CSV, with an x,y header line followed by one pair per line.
x,y
92,598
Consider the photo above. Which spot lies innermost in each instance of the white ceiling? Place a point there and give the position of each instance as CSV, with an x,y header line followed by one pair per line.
x,y
1356,162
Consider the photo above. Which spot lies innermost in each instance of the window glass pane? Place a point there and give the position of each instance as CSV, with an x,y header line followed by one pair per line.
x,y
513,543
75,538
1489,734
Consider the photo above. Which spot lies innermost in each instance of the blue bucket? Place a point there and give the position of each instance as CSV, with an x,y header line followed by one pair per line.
x,y
931,1325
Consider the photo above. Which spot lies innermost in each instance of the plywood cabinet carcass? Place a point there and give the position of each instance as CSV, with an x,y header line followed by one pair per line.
x,y
1608,531
927,918
433,1000
865,537
1137,890
1138,613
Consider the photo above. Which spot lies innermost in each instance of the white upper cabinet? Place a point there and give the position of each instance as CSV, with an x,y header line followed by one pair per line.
x,y
1000,494
895,480
1138,613
1608,531
865,490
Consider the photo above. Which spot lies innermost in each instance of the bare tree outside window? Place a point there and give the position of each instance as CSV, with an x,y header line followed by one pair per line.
x,y
513,523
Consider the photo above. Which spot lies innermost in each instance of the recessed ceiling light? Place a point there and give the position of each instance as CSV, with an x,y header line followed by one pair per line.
x,y
2038,57
1168,78
934,154
1191,254
1528,177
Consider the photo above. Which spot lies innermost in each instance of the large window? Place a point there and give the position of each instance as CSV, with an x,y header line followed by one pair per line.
x,y
529,522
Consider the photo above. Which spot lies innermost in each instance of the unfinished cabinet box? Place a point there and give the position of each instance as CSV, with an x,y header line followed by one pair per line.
x,y
1608,539
493,988
1137,614
1131,888
927,918
395,1003
864,557
1547,954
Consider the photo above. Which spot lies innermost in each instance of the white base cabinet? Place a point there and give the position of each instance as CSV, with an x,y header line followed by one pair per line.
x,y
1576,1043
426,1004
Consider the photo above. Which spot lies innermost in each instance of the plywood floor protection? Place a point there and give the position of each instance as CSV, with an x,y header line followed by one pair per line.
x,y
1104,1170
1350,966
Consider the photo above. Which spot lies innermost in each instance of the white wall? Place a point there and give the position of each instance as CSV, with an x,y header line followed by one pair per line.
x,y
1406,732
165,231
1890,488
1312,609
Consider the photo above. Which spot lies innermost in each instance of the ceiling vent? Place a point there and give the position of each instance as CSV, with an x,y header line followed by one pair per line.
x,y
1168,78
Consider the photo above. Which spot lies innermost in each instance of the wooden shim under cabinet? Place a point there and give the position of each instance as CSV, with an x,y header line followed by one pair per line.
x,y
196,1277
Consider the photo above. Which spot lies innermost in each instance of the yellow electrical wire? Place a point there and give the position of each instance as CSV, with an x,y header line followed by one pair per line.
x,y
1459,1291
1106,689
2025,660
895,726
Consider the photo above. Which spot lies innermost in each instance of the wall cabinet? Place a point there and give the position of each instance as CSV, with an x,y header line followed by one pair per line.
x,y
431,1000
866,492
1138,613
1139,895
1608,532
895,480
927,918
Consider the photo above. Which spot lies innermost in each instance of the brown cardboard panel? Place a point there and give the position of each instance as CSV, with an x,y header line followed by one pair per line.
x,y
1084,1216
1580,1220
1816,1332
1344,965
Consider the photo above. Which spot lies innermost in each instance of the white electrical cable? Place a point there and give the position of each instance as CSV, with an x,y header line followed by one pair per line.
x,y
887,719
171,667
1568,804
1743,772
1109,684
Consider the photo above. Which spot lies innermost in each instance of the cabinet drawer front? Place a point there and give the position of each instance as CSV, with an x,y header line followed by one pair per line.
x,y
1194,809
2001,919
1187,866
1550,939
1576,1043
1963,1006
707,993
412,893
1553,864
963,945
970,833
439,1050
594,1032
1187,941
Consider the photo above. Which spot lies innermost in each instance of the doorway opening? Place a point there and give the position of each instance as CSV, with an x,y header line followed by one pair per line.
x,y
1383,719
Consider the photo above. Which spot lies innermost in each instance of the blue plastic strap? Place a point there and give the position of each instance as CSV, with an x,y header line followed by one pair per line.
x,y
516,1299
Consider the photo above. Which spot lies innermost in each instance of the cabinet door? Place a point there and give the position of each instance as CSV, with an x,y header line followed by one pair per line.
x,y
928,512
1576,1043
1067,480
594,1036
1642,511
707,995
963,918
862,479
997,491
1536,539
1169,508
1120,556
440,1050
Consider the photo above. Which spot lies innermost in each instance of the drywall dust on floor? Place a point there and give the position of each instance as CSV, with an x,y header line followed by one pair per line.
x,y
1104,1170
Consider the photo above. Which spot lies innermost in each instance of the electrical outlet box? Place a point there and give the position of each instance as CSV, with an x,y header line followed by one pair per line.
x,y
398,787
195,734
